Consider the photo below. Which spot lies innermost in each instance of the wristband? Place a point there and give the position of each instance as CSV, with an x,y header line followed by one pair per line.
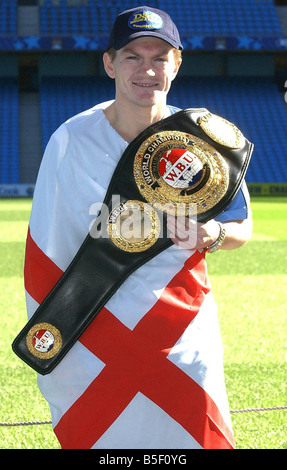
x,y
218,242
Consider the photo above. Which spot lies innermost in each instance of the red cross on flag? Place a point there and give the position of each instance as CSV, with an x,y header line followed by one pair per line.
x,y
140,366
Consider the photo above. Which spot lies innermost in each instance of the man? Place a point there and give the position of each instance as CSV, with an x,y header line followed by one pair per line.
x,y
147,372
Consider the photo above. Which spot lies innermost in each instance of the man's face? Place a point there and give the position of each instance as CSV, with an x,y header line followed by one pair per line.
x,y
143,71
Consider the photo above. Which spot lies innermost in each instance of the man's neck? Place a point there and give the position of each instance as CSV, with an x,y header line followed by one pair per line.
x,y
129,123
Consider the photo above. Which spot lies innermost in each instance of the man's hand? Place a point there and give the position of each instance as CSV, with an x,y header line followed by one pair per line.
x,y
191,235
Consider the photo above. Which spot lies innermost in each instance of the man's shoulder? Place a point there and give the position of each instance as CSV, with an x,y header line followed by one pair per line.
x,y
173,109
95,114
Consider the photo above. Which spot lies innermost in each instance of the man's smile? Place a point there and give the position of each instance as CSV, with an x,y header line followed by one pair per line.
x,y
145,84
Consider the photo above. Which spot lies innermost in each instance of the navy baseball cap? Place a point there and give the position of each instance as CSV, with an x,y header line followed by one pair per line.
x,y
143,21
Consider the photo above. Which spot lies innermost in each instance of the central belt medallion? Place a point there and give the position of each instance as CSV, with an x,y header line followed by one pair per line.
x,y
134,226
180,173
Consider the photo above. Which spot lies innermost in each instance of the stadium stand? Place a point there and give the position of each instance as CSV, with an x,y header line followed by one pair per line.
x,y
8,17
225,17
253,104
220,17
9,131
63,97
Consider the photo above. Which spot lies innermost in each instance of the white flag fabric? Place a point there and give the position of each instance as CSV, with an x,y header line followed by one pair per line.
x,y
148,371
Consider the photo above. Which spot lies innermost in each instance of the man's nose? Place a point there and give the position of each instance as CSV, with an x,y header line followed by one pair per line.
x,y
150,72
148,69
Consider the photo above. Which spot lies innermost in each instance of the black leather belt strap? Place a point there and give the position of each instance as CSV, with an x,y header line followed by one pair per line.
x,y
101,265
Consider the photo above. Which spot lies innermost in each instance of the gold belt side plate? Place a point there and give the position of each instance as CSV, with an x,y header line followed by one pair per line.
x,y
180,173
221,131
133,226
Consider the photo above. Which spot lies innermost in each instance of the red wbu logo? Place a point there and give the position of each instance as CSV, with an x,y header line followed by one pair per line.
x,y
43,340
180,168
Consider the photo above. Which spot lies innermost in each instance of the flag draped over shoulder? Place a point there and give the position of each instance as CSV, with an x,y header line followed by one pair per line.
x,y
148,371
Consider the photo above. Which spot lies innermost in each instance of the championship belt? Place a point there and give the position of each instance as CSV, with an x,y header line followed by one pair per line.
x,y
192,164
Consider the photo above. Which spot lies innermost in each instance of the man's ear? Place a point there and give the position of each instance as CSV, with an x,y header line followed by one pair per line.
x,y
176,68
108,65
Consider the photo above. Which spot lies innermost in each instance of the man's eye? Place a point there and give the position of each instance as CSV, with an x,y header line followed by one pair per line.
x,y
132,57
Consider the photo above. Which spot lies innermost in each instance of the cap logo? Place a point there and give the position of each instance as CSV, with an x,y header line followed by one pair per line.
x,y
145,19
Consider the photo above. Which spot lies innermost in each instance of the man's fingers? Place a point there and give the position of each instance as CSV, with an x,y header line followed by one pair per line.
x,y
182,233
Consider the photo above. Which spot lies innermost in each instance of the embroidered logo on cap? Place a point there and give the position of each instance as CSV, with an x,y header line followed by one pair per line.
x,y
145,19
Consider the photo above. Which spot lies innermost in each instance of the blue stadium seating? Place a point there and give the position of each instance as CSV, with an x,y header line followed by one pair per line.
x,y
224,17
253,104
62,98
8,17
9,131
196,17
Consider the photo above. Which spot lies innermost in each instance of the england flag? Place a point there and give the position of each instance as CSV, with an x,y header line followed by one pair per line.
x,y
147,373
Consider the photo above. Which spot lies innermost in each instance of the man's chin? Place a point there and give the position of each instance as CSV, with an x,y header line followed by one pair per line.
x,y
154,99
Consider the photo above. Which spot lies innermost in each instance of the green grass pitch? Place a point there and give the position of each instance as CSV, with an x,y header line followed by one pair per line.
x,y
250,287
